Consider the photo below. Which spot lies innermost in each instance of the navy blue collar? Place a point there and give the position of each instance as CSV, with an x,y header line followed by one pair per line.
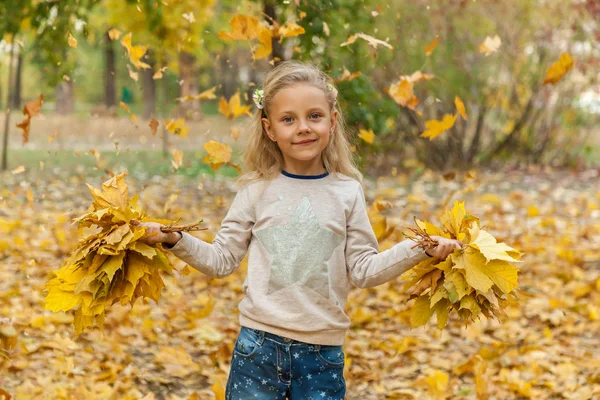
x,y
304,176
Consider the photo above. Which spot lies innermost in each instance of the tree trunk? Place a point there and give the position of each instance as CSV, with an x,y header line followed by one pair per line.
x,y
149,87
8,97
165,115
110,84
64,97
271,15
189,75
16,100
1,86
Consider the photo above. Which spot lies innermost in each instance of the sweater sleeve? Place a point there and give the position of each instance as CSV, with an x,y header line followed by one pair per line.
x,y
230,245
368,267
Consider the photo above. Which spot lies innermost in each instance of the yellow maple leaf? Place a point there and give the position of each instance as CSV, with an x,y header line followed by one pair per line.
x,y
367,135
265,43
233,108
177,127
218,153
435,128
460,107
557,70
491,250
421,312
205,95
289,30
243,27
135,52
402,93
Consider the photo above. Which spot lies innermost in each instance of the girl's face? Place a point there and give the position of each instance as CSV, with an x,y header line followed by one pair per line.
x,y
300,121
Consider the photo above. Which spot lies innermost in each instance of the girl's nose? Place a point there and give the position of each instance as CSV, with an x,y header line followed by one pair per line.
x,y
303,126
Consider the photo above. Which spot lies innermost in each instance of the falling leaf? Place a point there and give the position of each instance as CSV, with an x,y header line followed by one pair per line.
x,y
124,106
30,110
243,27
370,39
177,158
135,53
460,107
347,76
18,170
153,124
367,135
206,95
189,17
72,41
114,34
490,45
235,133
159,73
264,48
402,93
218,153
434,128
557,70
177,127
233,108
431,46
132,74
289,30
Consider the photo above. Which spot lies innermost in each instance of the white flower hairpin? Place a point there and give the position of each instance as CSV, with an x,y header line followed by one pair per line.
x,y
332,89
258,98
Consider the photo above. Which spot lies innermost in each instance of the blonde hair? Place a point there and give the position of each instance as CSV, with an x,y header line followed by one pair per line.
x,y
263,158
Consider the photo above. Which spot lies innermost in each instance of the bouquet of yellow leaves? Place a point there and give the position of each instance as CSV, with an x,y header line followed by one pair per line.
x,y
112,265
477,279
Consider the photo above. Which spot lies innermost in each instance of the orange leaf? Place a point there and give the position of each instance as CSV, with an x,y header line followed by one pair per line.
x,y
33,108
436,128
431,46
218,153
347,76
557,70
265,44
153,125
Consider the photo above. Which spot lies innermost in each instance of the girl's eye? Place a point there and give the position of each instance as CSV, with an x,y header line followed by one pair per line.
x,y
287,119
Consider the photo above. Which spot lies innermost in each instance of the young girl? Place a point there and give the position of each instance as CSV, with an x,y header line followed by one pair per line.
x,y
301,215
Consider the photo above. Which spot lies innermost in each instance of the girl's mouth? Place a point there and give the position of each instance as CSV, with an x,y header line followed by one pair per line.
x,y
305,142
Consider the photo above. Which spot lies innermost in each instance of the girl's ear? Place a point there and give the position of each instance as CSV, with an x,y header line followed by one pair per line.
x,y
333,119
267,126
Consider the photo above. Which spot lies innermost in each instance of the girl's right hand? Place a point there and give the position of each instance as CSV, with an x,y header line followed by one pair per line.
x,y
154,235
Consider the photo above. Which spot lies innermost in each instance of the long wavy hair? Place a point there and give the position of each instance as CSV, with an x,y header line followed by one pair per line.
x,y
263,158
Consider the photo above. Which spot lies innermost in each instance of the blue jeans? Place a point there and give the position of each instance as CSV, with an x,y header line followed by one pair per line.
x,y
267,366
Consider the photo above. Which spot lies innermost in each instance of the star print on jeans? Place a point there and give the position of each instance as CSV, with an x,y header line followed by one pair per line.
x,y
300,251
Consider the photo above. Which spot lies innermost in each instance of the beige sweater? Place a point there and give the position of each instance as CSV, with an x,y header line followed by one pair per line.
x,y
309,239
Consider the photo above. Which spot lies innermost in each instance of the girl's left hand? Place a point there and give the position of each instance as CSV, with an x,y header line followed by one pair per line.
x,y
444,248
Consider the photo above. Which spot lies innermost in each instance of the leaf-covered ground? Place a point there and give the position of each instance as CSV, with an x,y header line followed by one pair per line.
x,y
547,349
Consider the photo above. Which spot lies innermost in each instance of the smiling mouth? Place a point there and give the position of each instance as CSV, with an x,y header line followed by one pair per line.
x,y
306,141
